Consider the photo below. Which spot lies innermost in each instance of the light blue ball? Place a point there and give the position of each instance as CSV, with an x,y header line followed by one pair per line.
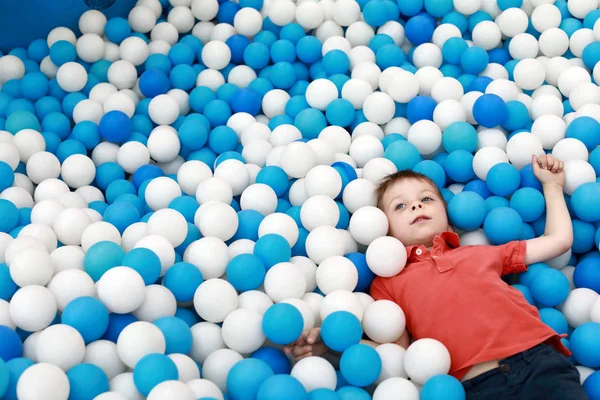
x,y
245,378
503,179
529,203
274,177
101,257
352,393
555,320
177,334
279,387
460,136
443,387
86,382
467,211
459,165
88,315
246,272
403,154
323,394
502,225
15,367
526,293
591,386
585,345
341,330
360,365
587,274
282,323
433,171
182,279
152,370
145,262
7,286
584,201
4,378
272,249
550,287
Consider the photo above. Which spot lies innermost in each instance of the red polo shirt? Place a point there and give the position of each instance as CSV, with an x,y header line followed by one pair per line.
x,y
455,295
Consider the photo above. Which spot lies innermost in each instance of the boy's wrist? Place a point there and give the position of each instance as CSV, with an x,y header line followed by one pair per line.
x,y
552,185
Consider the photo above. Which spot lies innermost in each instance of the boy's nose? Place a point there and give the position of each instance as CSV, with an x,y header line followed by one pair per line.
x,y
414,207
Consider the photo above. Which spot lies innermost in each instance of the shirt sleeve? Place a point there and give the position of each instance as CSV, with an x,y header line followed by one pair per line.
x,y
512,255
379,291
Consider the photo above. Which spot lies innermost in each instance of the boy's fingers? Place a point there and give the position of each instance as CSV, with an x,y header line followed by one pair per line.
x,y
298,351
535,163
312,336
543,162
561,166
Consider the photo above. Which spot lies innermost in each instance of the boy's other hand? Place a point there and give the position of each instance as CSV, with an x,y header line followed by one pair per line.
x,y
307,345
548,169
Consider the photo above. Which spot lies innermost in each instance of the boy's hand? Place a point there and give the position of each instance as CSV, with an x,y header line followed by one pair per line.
x,y
549,169
307,345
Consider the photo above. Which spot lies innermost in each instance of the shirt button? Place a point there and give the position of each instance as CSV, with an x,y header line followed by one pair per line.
x,y
419,252
504,367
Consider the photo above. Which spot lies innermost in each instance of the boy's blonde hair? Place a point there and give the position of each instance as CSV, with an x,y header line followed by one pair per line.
x,y
389,180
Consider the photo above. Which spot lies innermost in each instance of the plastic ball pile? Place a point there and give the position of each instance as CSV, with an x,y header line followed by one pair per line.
x,y
185,191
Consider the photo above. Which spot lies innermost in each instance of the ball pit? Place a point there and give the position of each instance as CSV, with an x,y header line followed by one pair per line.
x,y
188,185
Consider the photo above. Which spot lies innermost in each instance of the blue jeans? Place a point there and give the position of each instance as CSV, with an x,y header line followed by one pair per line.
x,y
538,373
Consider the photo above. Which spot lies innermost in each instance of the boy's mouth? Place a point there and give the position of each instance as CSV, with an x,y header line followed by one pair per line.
x,y
420,218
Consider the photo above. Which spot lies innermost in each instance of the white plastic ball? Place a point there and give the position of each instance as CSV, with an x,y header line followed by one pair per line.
x,y
341,300
11,67
163,109
297,159
169,224
386,256
33,308
392,360
379,108
161,191
487,35
139,339
486,158
279,224
61,345
319,210
158,302
425,358
28,142
367,224
384,321
121,289
162,248
569,149
427,54
394,386
216,219
104,354
31,267
323,242
43,381
523,45
283,281
259,197
320,93
577,172
215,299
242,331
315,373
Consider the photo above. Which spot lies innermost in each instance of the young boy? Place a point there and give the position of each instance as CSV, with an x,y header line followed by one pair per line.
x,y
499,347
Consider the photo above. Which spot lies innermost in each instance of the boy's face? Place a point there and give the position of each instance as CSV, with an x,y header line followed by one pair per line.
x,y
415,212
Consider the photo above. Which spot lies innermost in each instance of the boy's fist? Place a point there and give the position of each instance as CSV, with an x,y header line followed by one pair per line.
x,y
307,345
548,169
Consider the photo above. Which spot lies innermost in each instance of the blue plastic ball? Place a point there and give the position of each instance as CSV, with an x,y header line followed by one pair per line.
x,y
177,334
445,387
62,52
403,154
419,108
88,315
591,385
281,387
87,381
529,203
282,323
116,324
10,344
586,130
419,29
360,365
9,215
503,179
459,166
341,330
275,358
467,211
554,319
587,274
490,110
246,272
117,29
145,262
101,257
502,225
584,199
272,249
115,126
585,346
151,370
154,82
245,378
550,287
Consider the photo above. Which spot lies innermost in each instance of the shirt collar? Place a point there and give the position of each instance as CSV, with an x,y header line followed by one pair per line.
x,y
441,243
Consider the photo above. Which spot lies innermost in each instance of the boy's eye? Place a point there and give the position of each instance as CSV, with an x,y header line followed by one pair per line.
x,y
427,198
400,206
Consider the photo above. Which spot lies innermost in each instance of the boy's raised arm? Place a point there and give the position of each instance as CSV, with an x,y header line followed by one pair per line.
x,y
558,235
